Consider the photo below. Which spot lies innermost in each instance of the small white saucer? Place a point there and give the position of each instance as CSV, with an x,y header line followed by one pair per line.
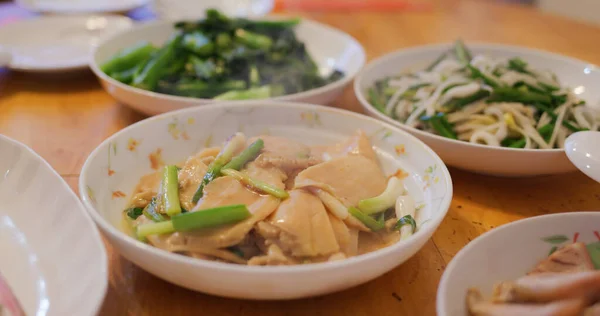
x,y
583,149
81,6
57,43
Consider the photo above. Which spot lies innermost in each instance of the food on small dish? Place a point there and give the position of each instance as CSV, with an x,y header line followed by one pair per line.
x,y
9,305
270,200
566,283
485,100
222,58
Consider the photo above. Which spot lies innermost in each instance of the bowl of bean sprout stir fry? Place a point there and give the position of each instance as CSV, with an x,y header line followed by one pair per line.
x,y
492,109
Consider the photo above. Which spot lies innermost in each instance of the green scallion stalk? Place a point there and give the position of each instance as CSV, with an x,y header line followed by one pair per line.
x,y
245,156
170,190
369,221
256,184
201,219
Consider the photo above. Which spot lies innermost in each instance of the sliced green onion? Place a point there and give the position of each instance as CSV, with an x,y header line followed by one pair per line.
x,y
201,219
245,156
380,203
134,212
170,190
406,220
151,213
256,184
369,221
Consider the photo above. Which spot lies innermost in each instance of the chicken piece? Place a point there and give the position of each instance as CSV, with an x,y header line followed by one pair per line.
x,y
190,176
221,192
571,258
146,189
285,154
357,144
546,287
340,177
346,237
268,174
305,228
478,307
273,257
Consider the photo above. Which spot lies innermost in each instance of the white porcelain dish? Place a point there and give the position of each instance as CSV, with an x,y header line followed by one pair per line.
x,y
57,43
583,149
52,256
330,48
81,6
480,158
114,168
509,252
192,9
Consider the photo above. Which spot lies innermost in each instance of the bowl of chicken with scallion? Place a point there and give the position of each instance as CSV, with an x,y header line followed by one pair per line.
x,y
492,109
265,200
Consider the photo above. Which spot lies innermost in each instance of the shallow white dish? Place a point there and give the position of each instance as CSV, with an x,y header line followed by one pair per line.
x,y
509,252
498,161
80,6
52,256
112,170
330,48
57,43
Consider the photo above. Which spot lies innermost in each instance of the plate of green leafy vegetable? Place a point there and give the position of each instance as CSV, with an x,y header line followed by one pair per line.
x,y
162,66
488,108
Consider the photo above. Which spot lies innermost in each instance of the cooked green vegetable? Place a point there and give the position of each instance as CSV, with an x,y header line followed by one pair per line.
x,y
204,57
151,213
380,203
170,190
245,156
134,212
256,184
484,100
128,58
201,219
369,221
234,143
406,220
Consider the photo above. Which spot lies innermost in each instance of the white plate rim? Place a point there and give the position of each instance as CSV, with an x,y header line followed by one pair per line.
x,y
167,97
43,19
36,7
93,230
360,95
270,270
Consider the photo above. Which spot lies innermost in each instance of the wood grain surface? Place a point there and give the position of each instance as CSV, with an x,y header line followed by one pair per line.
x,y
64,117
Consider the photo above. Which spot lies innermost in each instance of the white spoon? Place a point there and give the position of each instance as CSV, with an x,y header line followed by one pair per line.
x,y
583,149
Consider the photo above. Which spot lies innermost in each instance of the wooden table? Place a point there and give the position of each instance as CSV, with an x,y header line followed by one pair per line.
x,y
64,118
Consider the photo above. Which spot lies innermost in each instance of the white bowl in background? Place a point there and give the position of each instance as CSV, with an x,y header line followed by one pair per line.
x,y
499,161
330,48
81,6
508,253
177,135
52,256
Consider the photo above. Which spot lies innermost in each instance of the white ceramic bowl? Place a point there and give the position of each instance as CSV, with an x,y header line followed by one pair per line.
x,y
52,256
179,134
330,48
480,158
509,252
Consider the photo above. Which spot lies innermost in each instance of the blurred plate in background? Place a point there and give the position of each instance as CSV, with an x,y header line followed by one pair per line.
x,y
194,9
56,43
81,6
